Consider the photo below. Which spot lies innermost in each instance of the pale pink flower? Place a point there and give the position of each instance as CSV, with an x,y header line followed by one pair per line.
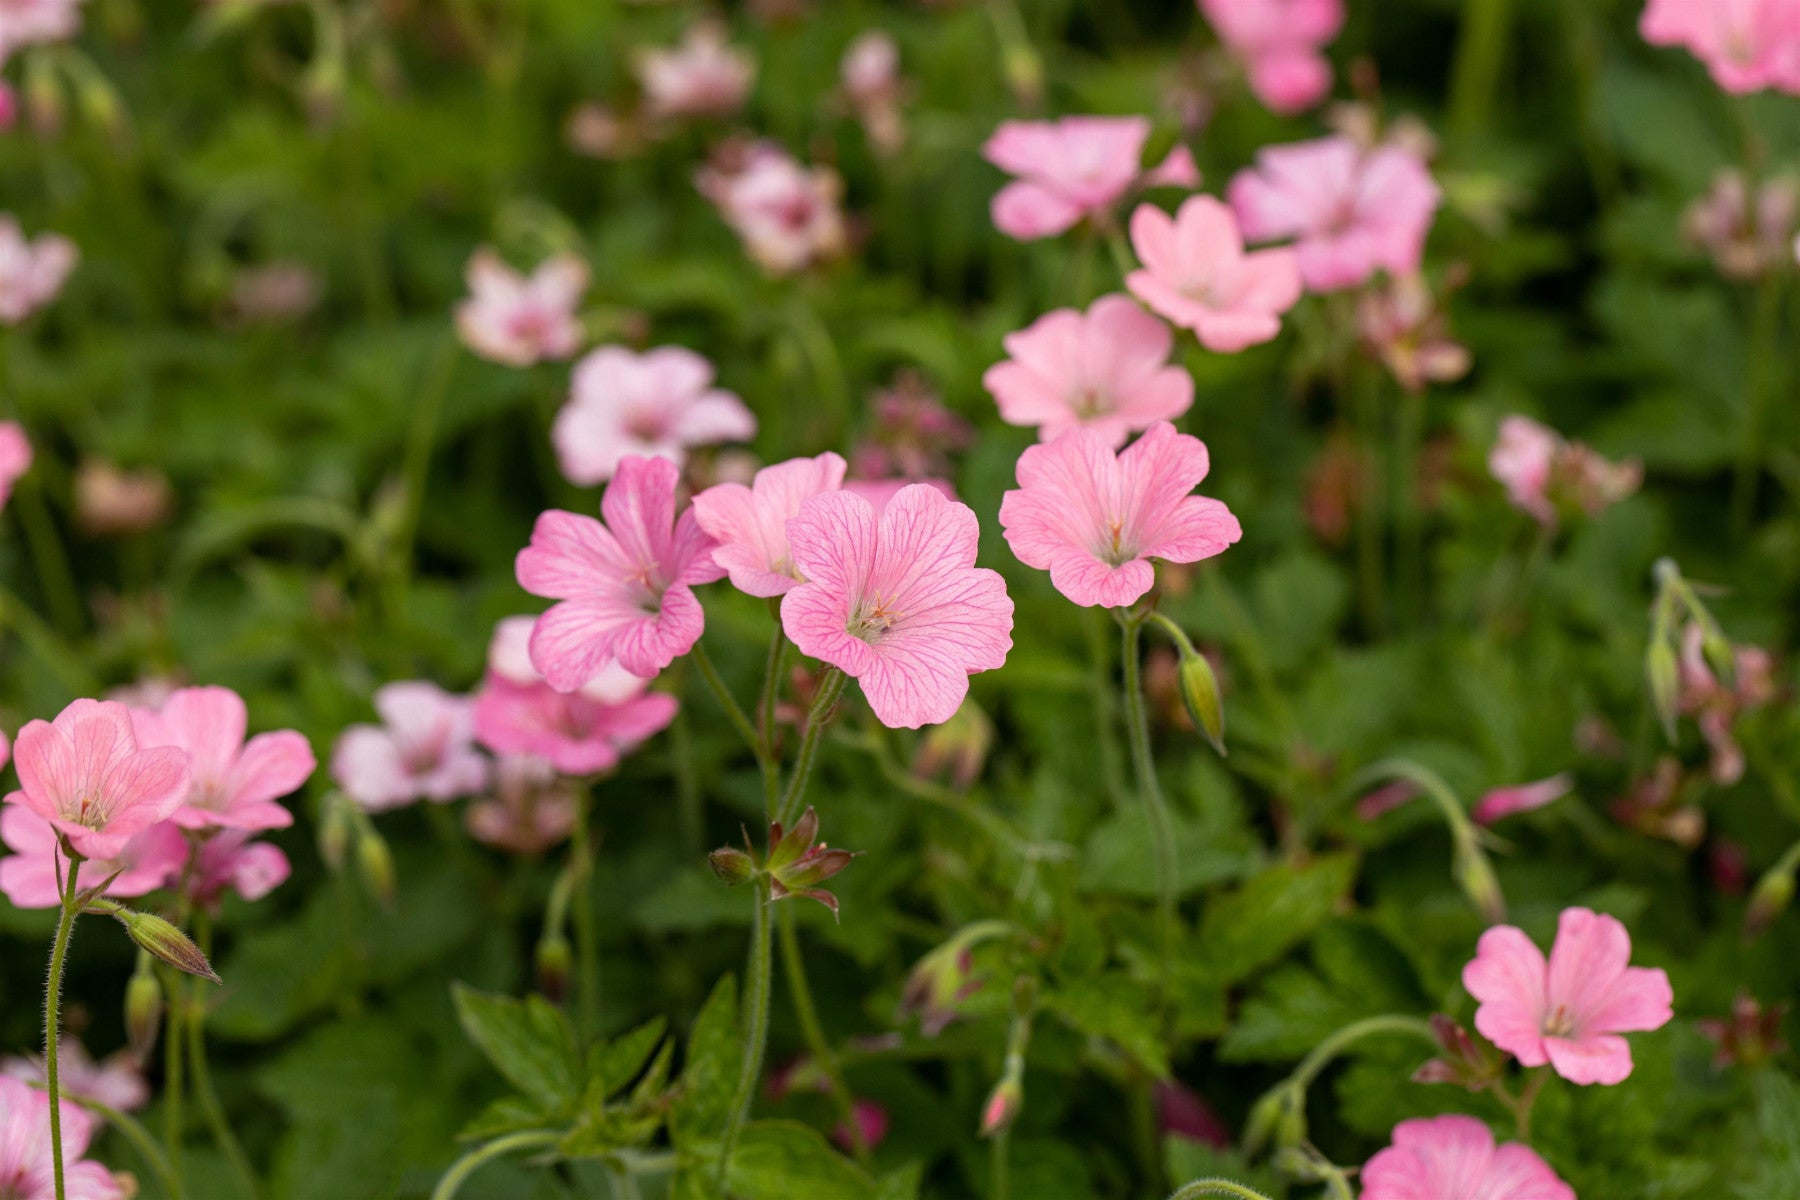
x,y
578,733
1404,324
896,601
26,1170
532,809
33,22
1567,1012
147,861
1715,706
625,586
230,861
750,523
1279,43
1453,1157
1544,475
1094,519
1107,370
787,215
423,749
1197,274
234,784
704,76
656,404
1504,802
1352,211
1066,170
110,499
15,457
85,774
115,1082
31,271
912,434
1748,232
870,75
520,319
275,292
1748,45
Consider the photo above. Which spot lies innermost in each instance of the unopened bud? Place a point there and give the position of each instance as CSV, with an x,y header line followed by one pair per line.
x,y
334,832
1774,892
1720,657
732,865
375,863
1664,676
143,1011
553,962
1003,1106
162,939
1278,1119
1474,874
43,96
1200,696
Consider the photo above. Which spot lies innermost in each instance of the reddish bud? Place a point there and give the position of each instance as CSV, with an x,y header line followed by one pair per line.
x,y
166,942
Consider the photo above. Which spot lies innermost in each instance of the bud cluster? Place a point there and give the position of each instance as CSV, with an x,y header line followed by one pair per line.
x,y
794,866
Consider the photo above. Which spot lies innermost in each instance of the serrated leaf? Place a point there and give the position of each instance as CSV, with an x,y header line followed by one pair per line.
x,y
1357,973
1256,924
529,1041
614,1064
710,1072
509,1114
1112,1007
777,1160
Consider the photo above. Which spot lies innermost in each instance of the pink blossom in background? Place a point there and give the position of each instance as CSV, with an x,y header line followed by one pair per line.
x,y
521,319
1545,475
5,749
1073,168
911,434
424,749
871,1126
1352,211
1197,274
1748,45
656,404
1504,802
1094,519
147,861
115,1082
1453,1156
531,810
1567,1012
1405,325
575,732
1746,229
750,523
787,215
15,457
1182,1112
704,76
32,271
1280,44
625,586
1107,370
25,1164
1714,705
275,292
230,861
9,106
110,499
234,784
870,75
85,774
33,22
896,601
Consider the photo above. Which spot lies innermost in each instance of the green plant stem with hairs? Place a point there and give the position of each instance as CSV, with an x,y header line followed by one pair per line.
x,y
1216,1187
1156,810
824,1057
831,687
59,949
756,1027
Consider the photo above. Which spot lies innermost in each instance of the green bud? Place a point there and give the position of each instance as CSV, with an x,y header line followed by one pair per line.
x,y
1664,677
554,958
1719,655
1474,874
375,863
162,939
1003,1106
732,865
335,831
1200,695
143,1010
1774,892
1279,1118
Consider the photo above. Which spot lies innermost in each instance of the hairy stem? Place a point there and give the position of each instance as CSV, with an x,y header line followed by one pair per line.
x,y
468,1164
1156,811
1216,1187
756,1029
65,927
733,711
830,689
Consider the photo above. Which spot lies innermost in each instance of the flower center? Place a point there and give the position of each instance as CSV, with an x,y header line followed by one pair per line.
x,y
1560,1023
1117,552
1091,402
871,623
647,425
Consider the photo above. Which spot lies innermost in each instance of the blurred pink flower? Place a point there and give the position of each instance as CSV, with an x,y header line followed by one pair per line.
x,y
15,457
1183,1113
32,22
1435,1158
870,75
1404,324
625,586
1504,802
656,404
9,106
912,434
1107,370
1197,274
1094,519
1747,231
423,749
1748,45
532,808
234,784
110,499
1279,43
871,1126
1714,705
32,272
275,292
704,76
896,601
1544,474
750,523
85,774
1073,168
787,215
115,1082
1352,211
25,1165
1567,1012
518,319
230,861
147,861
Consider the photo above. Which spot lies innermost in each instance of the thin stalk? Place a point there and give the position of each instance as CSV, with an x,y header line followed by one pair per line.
x,y
587,951
1764,330
1216,1187
1106,711
1337,1043
416,465
59,949
474,1160
756,1031
1521,1105
1409,519
141,1141
830,689
188,997
733,711
765,718
1480,54
1000,1165
800,993
174,1073
1156,811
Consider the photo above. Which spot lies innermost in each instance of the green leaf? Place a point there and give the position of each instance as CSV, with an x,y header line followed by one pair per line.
x,y
618,1062
1357,973
530,1042
902,1183
1112,1007
709,1075
1256,924
781,1160
509,1114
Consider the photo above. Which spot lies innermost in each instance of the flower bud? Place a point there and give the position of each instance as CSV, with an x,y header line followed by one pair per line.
x,y
1774,892
1278,1119
1474,874
166,942
375,863
334,831
732,865
1003,1106
959,747
1664,675
143,1010
1200,696
554,958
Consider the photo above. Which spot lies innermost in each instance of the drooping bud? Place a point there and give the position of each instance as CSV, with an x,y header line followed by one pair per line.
x,y
1774,892
958,747
1663,674
162,939
1464,1062
554,958
143,1010
1474,874
945,977
1003,1106
1278,1120
375,863
1200,696
335,831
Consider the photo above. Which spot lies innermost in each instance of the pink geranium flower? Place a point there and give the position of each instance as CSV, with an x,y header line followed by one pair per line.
x,y
787,215
234,784
1095,519
15,457
1106,369
750,523
26,1170
28,876
704,76
1504,802
1279,44
85,774
1715,705
231,861
1073,168
881,492
1544,475
32,271
423,749
1453,1156
518,319
896,601
116,1082
625,586
656,404
1352,210
33,22
1197,274
1748,45
533,808
910,433
1567,1012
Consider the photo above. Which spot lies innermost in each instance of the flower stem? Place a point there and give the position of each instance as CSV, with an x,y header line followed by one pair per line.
x,y
59,949
765,719
1000,1165
800,992
468,1164
141,1141
587,953
733,711
174,1075
1156,811
1331,1047
188,998
1216,1187
1764,329
756,1028
830,689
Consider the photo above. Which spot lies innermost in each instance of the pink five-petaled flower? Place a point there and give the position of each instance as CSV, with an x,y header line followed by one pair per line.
x,y
1279,43
1072,168
423,749
115,1081
1351,210
233,784
1106,369
655,404
29,875
896,600
1197,274
15,457
26,1171
788,215
31,271
1504,802
750,523
85,774
518,319
705,76
1453,1156
1748,45
230,860
532,808
1567,1012
1094,519
625,586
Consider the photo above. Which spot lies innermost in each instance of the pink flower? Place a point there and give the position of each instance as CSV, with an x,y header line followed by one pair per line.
x,y
1353,211
1715,706
881,492
702,77
1437,1158
871,1126
1405,325
147,861
912,434
230,861
32,22
896,601
233,783
1197,274
1068,169
1184,1113
1279,43
1504,802
1107,370
750,523
31,272
1094,519
116,1082
655,404
1545,475
625,586
533,808
787,215
423,749
1748,45
26,1171
517,319
15,457
870,75
1747,229
85,774
1570,1011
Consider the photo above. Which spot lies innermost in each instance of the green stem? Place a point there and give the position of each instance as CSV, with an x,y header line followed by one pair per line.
x,y
1216,1187
831,687
1480,54
416,465
140,1140
1521,1106
800,992
1106,711
1409,520
1156,811
1371,589
174,1073
1764,330
59,949
733,711
1331,1047
756,1031
209,1099
1000,1165
587,952
765,718
475,1159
